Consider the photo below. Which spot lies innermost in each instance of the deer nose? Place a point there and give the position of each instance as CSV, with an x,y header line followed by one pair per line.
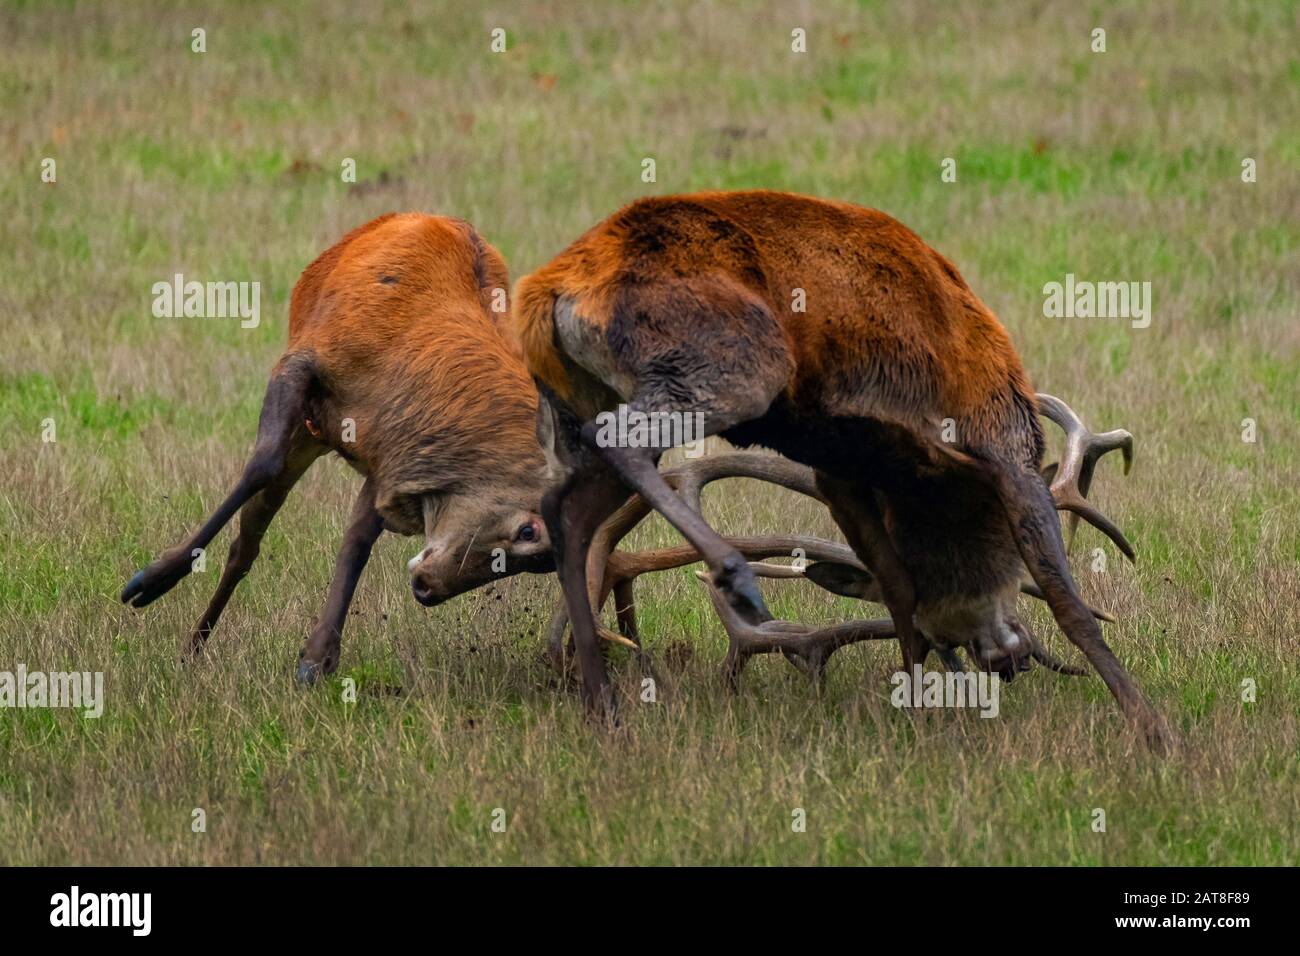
x,y
424,583
422,589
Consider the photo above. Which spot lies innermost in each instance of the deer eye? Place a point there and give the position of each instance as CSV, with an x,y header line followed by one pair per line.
x,y
527,532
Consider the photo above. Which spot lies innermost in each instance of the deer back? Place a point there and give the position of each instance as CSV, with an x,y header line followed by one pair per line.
x,y
397,320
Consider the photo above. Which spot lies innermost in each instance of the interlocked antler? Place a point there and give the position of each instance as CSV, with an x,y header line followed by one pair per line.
x,y
1073,477
807,647
622,568
615,571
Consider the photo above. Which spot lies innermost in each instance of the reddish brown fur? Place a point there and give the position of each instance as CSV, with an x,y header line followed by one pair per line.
x,y
891,331
397,362
421,364
686,304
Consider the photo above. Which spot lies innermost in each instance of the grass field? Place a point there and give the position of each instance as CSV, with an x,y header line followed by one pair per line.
x,y
1115,166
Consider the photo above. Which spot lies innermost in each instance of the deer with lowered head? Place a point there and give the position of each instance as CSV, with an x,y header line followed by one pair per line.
x,y
397,362
685,305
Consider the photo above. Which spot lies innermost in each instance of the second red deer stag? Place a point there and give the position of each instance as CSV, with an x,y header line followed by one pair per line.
x,y
834,335
396,362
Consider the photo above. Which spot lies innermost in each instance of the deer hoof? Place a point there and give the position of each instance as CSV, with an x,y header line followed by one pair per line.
x,y
308,672
151,583
134,586
603,711
739,585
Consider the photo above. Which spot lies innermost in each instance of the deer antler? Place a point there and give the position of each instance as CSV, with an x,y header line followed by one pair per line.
x,y
805,646
622,568
610,571
614,571
1042,654
1034,591
1073,477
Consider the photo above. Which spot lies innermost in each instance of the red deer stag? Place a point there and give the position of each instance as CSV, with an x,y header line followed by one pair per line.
x,y
686,305
395,361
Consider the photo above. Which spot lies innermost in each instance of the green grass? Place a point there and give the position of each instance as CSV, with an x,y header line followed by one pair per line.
x,y
1118,166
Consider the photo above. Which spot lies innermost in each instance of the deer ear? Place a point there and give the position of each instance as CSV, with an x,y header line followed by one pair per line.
x,y
839,578
1049,473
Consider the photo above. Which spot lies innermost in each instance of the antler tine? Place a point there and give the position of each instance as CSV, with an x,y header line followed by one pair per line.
x,y
691,475
1033,590
556,628
1074,476
1088,446
765,570
807,647
627,565
622,568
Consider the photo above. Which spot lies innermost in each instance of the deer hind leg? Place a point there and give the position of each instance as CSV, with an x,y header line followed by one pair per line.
x,y
321,652
283,412
254,518
855,510
1037,533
